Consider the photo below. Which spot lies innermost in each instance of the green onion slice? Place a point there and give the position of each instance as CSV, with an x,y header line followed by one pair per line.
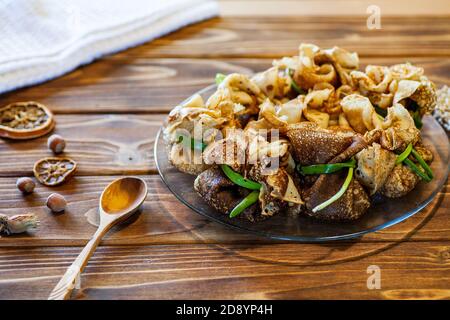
x,y
220,77
191,142
416,170
294,84
422,162
238,179
245,203
417,119
405,154
338,194
403,157
325,168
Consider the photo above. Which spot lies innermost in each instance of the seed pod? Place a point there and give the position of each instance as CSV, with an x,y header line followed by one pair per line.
x,y
25,184
56,143
18,223
56,202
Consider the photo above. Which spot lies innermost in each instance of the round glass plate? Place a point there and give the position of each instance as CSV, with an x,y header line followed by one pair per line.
x,y
382,214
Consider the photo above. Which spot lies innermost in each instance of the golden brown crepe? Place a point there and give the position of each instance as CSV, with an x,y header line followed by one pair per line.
x,y
313,108
374,166
306,137
401,180
352,205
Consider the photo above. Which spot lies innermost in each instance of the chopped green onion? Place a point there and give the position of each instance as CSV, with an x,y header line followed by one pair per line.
x,y
422,162
238,179
294,84
416,170
380,111
338,194
405,154
220,77
245,203
412,105
414,108
417,119
191,142
326,168
403,157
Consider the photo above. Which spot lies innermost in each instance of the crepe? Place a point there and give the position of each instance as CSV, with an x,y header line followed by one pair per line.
x,y
315,108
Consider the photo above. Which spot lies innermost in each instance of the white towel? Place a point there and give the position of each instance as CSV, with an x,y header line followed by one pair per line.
x,y
43,39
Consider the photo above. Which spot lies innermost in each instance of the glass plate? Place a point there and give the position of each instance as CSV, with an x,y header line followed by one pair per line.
x,y
382,214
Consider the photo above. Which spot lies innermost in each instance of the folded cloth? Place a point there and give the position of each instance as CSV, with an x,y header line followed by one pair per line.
x,y
43,39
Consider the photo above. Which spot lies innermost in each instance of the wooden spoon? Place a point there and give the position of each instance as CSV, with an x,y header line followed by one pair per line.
x,y
120,199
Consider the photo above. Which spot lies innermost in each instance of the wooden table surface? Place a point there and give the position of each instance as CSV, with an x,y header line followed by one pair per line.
x,y
110,111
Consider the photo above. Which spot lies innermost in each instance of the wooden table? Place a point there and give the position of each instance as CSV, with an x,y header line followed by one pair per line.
x,y
110,111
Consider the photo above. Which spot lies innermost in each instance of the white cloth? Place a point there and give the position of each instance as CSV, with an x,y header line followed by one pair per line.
x,y
43,39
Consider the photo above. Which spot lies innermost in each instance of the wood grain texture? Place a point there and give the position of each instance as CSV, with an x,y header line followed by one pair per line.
x,y
109,113
239,271
165,220
300,8
264,37
139,84
100,144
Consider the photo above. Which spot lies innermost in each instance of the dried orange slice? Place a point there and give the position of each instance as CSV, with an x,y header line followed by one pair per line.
x,y
25,120
54,171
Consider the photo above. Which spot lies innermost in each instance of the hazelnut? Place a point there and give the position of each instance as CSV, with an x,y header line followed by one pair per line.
x,y
56,143
25,184
56,202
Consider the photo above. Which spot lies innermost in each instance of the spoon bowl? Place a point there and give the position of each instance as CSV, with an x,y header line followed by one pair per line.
x,y
122,195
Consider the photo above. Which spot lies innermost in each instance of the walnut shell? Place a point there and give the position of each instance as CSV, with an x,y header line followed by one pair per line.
x,y
25,120
54,171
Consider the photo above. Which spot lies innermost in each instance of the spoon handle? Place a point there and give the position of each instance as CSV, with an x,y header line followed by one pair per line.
x,y
70,279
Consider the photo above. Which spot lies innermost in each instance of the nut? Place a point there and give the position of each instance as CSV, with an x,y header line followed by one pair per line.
x,y
56,143
25,184
56,202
